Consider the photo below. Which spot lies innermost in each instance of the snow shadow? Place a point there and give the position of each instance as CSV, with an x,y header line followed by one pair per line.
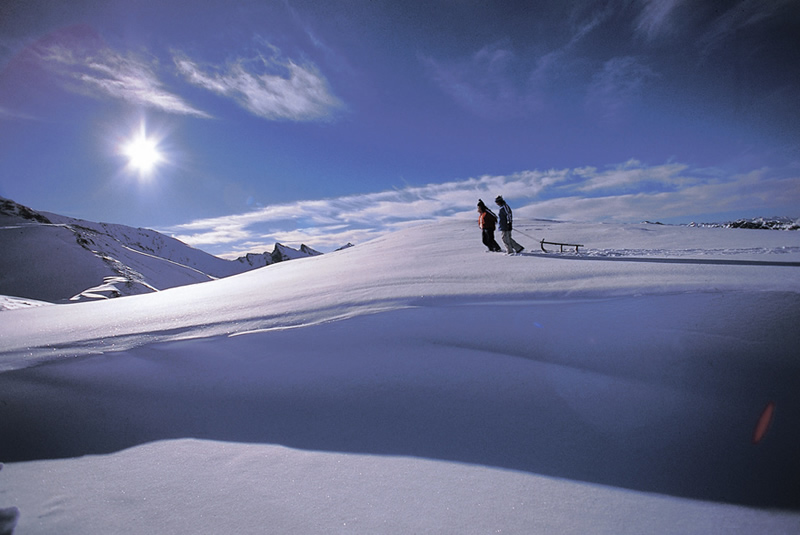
x,y
656,394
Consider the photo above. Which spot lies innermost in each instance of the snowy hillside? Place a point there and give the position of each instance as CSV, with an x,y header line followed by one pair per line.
x,y
418,384
55,258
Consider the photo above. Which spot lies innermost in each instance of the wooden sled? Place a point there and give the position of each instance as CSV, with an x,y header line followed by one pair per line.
x,y
562,245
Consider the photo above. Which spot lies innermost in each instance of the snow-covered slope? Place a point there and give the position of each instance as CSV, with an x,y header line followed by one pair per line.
x,y
54,258
416,383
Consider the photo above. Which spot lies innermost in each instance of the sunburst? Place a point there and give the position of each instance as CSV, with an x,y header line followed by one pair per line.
x,y
143,152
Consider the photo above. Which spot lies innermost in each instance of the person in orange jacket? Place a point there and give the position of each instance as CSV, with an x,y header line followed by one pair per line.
x,y
487,221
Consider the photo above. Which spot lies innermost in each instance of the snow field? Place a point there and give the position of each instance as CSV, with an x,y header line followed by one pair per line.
x,y
417,384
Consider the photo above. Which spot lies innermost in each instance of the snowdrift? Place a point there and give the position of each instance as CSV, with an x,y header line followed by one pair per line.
x,y
418,383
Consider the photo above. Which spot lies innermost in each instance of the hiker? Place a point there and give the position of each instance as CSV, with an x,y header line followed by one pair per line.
x,y
505,218
487,221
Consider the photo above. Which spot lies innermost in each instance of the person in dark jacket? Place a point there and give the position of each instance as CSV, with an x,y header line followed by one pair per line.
x,y
487,221
505,218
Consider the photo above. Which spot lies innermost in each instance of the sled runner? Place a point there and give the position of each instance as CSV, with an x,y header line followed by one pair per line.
x,y
575,245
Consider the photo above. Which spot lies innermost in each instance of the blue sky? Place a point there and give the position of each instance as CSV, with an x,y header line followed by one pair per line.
x,y
333,122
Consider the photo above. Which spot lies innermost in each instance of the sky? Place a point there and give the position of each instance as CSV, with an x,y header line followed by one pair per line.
x,y
238,123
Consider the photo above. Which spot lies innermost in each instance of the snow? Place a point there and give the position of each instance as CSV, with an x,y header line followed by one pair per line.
x,y
416,383
53,258
12,303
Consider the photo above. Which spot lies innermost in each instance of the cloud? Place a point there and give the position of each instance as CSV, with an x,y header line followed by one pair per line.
x,y
631,191
633,174
497,82
268,87
618,86
742,15
134,81
86,66
758,190
329,223
486,83
7,114
656,17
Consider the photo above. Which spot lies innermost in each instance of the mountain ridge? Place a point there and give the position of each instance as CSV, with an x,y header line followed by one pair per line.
x,y
55,258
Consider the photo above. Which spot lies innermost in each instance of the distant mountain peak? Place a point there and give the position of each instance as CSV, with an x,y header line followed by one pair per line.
x,y
760,223
280,253
55,258
308,250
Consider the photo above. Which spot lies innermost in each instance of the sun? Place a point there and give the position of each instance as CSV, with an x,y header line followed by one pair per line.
x,y
143,153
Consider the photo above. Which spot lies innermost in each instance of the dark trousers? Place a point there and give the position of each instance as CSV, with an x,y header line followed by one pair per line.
x,y
488,240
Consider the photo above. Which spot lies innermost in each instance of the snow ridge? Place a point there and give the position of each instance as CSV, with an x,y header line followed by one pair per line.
x,y
80,260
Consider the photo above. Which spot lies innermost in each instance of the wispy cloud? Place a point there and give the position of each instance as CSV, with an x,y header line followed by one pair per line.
x,y
763,191
101,72
497,82
656,17
631,191
268,87
486,83
618,86
743,14
329,223
7,114
632,175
